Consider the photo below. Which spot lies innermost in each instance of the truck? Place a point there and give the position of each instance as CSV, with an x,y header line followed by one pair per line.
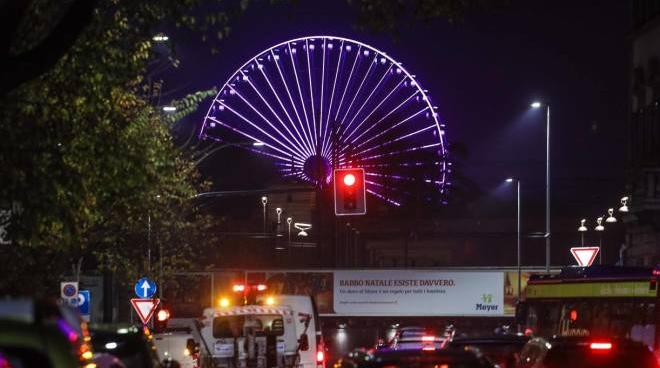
x,y
279,331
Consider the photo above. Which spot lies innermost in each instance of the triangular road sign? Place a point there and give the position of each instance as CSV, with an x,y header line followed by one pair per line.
x,y
585,255
145,308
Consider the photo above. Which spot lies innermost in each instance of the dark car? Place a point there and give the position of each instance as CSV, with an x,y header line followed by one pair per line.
x,y
586,352
132,345
445,358
503,350
24,344
42,333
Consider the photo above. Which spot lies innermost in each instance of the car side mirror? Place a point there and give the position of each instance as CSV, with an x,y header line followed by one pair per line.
x,y
303,342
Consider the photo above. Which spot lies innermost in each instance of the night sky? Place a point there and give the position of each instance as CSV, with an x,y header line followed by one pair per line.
x,y
482,74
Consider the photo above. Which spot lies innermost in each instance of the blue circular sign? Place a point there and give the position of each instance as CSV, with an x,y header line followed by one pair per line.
x,y
69,290
145,288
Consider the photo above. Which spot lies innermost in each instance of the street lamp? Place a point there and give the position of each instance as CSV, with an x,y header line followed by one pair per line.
x,y
264,202
518,237
160,38
600,228
582,229
289,221
278,211
610,216
169,108
538,105
624,204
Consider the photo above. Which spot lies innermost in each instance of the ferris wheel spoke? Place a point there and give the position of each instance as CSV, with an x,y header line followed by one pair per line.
x,y
371,65
383,100
323,50
283,136
250,136
293,104
300,142
395,109
302,100
368,98
392,141
311,96
348,82
281,150
332,96
399,152
383,132
383,197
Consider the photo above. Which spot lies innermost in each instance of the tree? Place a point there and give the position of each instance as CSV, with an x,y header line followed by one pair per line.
x,y
86,162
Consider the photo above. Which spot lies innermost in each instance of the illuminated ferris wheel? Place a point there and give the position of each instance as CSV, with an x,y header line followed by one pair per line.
x,y
316,103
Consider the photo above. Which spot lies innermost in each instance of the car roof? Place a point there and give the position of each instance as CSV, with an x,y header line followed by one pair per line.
x,y
393,355
494,339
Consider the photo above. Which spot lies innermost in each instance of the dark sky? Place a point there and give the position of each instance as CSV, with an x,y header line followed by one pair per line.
x,y
482,74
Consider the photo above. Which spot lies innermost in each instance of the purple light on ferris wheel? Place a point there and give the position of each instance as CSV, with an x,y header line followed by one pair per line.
x,y
333,102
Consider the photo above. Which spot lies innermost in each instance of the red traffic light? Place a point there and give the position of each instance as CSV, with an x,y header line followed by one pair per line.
x,y
349,191
163,315
349,179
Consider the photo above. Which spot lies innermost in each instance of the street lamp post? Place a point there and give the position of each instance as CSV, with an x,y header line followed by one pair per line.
x,y
518,234
582,229
600,228
536,105
264,202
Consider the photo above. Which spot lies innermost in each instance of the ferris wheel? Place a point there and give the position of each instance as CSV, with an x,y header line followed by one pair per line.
x,y
316,103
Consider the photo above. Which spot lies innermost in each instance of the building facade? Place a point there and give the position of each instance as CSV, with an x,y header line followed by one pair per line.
x,y
643,220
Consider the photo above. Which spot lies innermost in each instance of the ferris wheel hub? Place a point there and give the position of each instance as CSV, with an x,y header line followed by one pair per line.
x,y
317,167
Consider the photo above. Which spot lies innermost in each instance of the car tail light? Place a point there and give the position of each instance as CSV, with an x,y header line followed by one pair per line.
x,y
320,356
261,287
239,288
603,346
428,338
429,348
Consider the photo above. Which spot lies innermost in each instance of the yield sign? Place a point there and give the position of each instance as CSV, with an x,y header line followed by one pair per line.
x,y
145,308
585,255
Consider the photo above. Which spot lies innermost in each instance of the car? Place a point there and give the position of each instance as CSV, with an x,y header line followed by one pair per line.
x,y
586,352
24,344
131,344
392,358
44,331
503,350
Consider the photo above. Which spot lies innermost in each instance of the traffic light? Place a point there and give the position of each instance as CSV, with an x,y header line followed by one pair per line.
x,y
160,322
350,192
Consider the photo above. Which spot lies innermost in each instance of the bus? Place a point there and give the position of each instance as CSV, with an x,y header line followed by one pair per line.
x,y
599,301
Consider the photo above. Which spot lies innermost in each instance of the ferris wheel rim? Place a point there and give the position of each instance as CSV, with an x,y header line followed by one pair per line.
x,y
426,98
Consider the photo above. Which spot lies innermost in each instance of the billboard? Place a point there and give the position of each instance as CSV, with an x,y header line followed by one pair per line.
x,y
401,292
418,293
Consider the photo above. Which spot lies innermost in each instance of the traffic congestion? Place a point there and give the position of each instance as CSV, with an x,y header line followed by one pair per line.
x,y
253,326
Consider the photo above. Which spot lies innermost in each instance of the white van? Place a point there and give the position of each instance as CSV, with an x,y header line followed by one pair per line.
x,y
283,334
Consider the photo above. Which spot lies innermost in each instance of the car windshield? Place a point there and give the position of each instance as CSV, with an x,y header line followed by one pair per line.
x,y
236,326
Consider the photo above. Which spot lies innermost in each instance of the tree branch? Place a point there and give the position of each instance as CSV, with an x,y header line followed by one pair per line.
x,y
24,67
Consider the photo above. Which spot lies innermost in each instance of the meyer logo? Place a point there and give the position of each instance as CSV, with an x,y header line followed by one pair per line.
x,y
487,305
